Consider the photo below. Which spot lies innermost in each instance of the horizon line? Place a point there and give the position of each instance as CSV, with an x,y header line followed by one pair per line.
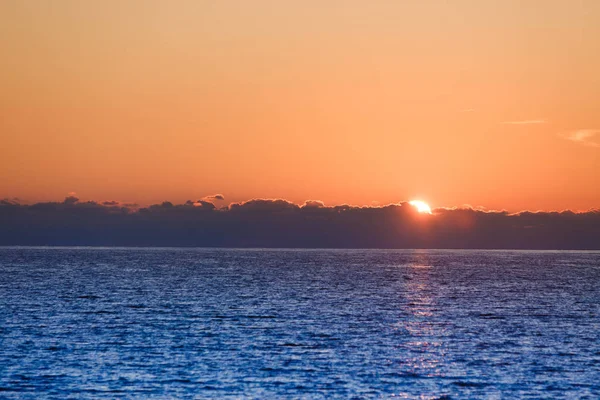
x,y
82,247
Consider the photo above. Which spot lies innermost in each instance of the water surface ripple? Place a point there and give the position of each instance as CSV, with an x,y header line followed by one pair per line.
x,y
218,323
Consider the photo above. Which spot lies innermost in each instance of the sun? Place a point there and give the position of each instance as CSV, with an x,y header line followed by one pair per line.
x,y
421,206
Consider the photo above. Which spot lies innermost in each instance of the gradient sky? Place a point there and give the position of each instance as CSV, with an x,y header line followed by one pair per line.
x,y
489,103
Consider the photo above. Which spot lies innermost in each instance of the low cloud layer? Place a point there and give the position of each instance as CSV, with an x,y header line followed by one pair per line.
x,y
280,223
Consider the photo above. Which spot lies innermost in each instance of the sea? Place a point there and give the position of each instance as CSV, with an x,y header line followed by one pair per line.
x,y
112,323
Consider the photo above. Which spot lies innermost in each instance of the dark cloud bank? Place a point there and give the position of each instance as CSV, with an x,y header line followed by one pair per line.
x,y
278,223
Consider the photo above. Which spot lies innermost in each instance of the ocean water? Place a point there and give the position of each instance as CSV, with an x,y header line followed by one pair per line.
x,y
222,323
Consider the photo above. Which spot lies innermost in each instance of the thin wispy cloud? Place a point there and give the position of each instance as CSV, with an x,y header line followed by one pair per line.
x,y
526,122
582,136
214,197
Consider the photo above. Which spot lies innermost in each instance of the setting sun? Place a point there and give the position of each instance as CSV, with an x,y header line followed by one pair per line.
x,y
421,206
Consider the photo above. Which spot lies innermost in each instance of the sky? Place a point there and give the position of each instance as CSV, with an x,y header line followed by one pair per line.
x,y
488,103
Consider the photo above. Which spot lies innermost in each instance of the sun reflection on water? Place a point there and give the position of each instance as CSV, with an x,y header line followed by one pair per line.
x,y
418,323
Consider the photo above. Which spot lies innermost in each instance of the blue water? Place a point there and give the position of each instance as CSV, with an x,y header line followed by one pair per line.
x,y
164,323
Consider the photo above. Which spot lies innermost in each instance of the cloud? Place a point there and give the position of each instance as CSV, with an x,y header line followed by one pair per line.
x,y
313,204
71,198
582,136
263,205
204,205
214,197
14,201
281,223
525,122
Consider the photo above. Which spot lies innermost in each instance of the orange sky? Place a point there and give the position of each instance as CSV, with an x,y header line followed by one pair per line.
x,y
490,103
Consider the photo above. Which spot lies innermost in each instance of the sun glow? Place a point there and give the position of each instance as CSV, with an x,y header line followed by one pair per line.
x,y
421,206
